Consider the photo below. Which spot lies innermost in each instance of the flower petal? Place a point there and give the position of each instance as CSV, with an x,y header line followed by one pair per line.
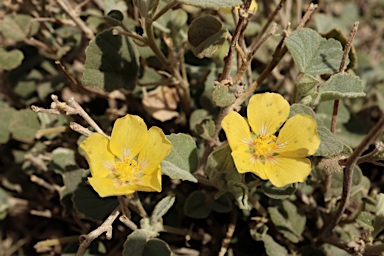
x,y
151,182
156,148
237,131
267,112
244,163
299,137
284,170
128,136
101,161
107,187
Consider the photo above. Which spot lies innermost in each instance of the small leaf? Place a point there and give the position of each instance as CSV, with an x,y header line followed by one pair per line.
x,y
342,86
87,201
10,60
162,208
114,18
196,205
111,62
287,220
19,27
278,193
223,204
272,248
365,219
220,160
306,86
378,223
330,145
338,35
5,116
156,247
301,109
183,159
62,158
221,96
213,4
206,36
24,125
313,54
135,243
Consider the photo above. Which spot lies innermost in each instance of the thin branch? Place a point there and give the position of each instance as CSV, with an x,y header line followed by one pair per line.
x,y
250,55
80,129
83,114
280,51
75,17
228,236
267,24
347,48
348,174
225,76
86,240
166,8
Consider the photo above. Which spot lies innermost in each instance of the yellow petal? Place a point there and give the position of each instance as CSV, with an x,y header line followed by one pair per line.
x,y
267,112
107,187
284,171
154,150
245,163
299,137
128,136
237,131
151,182
101,161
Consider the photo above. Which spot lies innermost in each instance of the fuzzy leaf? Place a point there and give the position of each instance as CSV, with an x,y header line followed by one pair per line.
x,y
19,27
206,36
287,220
213,4
5,115
135,243
342,86
111,62
183,159
330,145
162,208
221,96
378,223
24,125
10,60
196,206
276,192
313,54
272,248
88,202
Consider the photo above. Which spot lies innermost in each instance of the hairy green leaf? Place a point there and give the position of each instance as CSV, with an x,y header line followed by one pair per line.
x,y
342,86
112,62
183,159
313,54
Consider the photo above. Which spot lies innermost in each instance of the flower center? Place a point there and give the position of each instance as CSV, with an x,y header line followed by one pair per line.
x,y
127,171
264,147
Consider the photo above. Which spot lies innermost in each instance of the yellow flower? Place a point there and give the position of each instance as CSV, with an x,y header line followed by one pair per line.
x,y
279,158
129,161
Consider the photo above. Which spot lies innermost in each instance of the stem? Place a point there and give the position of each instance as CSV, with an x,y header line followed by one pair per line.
x,y
86,240
167,7
280,51
235,38
347,48
75,17
348,174
249,57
